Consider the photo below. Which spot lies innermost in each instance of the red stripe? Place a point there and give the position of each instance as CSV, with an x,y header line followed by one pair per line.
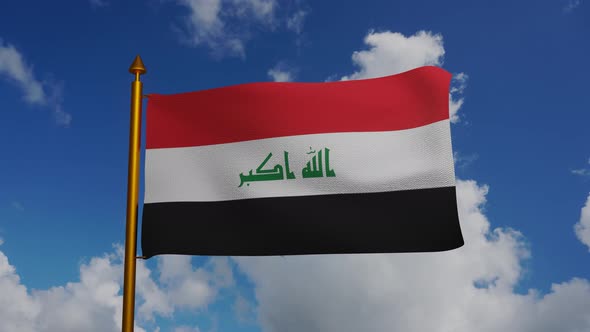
x,y
264,110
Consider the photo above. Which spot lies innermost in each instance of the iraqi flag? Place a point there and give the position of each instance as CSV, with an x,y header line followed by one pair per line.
x,y
363,166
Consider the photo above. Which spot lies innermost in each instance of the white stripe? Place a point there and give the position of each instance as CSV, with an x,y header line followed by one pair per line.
x,y
363,162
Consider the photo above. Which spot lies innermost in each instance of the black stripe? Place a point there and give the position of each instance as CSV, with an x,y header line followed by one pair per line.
x,y
400,221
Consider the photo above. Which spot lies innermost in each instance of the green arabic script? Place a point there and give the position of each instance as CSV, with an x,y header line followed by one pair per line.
x,y
313,169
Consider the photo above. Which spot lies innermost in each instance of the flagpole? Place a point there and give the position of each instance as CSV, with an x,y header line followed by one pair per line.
x,y
137,68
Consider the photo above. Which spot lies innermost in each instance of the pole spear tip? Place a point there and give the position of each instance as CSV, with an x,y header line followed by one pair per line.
x,y
137,66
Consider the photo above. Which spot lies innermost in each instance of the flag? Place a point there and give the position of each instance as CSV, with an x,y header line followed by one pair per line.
x,y
361,166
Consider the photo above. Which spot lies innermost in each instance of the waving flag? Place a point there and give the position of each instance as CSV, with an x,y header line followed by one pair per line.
x,y
362,166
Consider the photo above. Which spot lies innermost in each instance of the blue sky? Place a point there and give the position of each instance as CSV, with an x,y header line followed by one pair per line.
x,y
520,106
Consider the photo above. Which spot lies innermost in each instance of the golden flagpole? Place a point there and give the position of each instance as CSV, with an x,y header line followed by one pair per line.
x,y
137,68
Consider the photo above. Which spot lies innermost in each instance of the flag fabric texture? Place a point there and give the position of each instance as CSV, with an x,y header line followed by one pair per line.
x,y
361,166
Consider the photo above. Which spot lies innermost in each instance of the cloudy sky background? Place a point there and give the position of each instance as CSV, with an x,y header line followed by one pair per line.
x,y
519,104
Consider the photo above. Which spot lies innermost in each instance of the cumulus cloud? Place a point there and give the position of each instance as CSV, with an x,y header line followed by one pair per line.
x,y
222,25
472,288
17,308
468,289
189,287
391,53
14,68
94,302
244,310
281,73
278,75
185,286
582,228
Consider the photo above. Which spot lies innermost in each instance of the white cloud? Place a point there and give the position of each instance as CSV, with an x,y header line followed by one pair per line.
x,y
155,299
186,329
17,308
471,288
391,53
94,302
14,68
184,286
262,10
571,5
204,26
461,80
582,171
221,272
280,75
282,72
458,85
464,160
61,118
582,228
295,22
468,289
222,24
187,287
244,310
